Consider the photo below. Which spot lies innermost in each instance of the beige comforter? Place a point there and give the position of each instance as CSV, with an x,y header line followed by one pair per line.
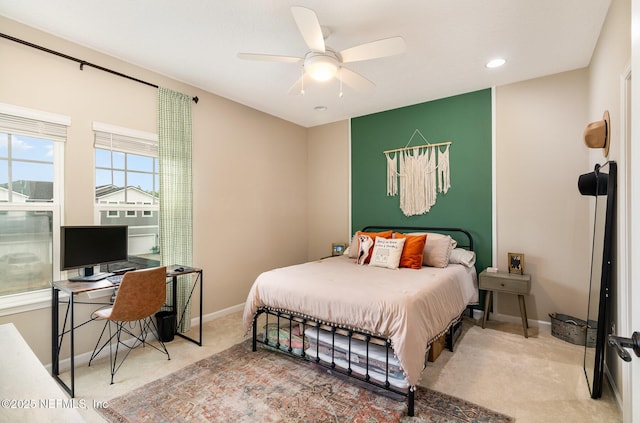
x,y
409,307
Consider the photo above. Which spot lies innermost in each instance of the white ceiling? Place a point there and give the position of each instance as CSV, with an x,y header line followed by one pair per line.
x,y
448,43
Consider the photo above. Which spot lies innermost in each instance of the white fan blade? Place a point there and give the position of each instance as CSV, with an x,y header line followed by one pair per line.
x,y
269,57
309,27
297,88
373,50
355,80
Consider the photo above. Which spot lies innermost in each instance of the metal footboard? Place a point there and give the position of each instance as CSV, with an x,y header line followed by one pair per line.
x,y
286,346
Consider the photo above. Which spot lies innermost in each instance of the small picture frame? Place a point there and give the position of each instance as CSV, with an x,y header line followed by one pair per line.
x,y
516,263
337,248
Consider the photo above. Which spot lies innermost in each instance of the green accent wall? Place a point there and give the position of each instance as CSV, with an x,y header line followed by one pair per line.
x,y
465,120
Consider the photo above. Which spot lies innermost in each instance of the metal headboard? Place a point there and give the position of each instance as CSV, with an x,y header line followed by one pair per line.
x,y
467,242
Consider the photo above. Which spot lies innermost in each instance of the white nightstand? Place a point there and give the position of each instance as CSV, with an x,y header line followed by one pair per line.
x,y
510,283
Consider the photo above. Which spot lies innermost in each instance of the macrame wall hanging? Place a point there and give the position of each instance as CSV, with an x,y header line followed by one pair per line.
x,y
418,173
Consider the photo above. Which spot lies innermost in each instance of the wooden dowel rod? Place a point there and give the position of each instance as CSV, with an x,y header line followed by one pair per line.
x,y
419,146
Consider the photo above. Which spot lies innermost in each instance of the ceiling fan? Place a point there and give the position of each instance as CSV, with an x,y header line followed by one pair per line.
x,y
322,63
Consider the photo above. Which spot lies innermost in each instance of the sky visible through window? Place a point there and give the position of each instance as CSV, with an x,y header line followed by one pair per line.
x,y
31,159
126,170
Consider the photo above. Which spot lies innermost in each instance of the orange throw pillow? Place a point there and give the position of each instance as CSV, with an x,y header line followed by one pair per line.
x,y
413,250
372,235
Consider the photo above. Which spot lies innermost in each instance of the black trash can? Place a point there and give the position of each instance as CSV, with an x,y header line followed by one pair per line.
x,y
166,325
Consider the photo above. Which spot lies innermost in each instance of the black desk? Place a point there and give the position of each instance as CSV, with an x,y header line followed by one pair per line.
x,y
74,288
171,273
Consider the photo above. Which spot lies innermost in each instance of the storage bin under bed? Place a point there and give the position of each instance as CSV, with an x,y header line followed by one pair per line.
x,y
380,357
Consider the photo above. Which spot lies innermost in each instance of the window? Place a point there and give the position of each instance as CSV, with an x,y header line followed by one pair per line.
x,y
31,180
127,186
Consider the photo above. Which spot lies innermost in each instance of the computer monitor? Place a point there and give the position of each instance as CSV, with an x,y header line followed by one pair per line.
x,y
88,246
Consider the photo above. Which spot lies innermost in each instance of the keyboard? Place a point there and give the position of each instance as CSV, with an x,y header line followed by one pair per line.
x,y
115,279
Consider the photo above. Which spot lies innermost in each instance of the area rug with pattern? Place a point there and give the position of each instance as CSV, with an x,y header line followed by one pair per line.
x,y
238,385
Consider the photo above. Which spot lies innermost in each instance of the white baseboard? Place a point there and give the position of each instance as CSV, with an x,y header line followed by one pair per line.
x,y
613,386
477,314
541,324
83,359
218,314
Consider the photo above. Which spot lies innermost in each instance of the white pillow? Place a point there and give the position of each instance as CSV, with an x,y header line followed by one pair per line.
x,y
437,251
352,250
387,252
434,235
462,256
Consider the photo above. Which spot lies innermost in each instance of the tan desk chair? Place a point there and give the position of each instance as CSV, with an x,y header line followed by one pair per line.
x,y
140,295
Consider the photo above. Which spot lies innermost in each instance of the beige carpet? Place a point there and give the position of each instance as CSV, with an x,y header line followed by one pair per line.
x,y
539,379
535,379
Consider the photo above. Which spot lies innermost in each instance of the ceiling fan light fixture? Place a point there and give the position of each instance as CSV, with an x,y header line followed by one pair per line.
x,y
323,64
321,67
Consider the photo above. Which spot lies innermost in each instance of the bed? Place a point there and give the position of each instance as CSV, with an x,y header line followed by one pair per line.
x,y
372,322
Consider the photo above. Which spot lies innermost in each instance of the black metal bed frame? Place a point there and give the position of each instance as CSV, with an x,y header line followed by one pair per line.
x,y
286,345
351,334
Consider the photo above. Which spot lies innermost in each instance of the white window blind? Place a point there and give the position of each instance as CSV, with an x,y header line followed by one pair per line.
x,y
33,123
110,137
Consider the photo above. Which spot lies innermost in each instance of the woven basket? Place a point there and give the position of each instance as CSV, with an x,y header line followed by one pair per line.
x,y
573,330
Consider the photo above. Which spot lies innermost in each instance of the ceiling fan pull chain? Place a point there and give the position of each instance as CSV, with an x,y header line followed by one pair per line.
x,y
302,80
340,78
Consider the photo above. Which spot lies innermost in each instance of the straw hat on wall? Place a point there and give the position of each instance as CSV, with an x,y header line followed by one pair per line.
x,y
598,134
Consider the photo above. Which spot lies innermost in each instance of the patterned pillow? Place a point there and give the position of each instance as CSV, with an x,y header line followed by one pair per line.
x,y
360,251
365,244
387,252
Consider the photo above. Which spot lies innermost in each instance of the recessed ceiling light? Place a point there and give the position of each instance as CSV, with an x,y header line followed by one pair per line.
x,y
495,63
320,108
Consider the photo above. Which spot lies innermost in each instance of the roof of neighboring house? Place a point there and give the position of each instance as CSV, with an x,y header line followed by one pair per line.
x,y
33,190
43,190
106,190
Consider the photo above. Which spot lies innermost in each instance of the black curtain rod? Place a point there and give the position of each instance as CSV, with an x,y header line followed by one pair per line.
x,y
83,63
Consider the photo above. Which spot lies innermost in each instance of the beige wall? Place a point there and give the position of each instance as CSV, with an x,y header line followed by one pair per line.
x,y
328,193
539,155
610,61
249,168
250,183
